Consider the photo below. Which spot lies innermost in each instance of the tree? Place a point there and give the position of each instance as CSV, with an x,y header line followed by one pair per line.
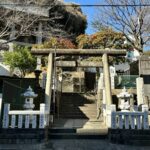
x,y
56,43
21,58
106,38
83,41
39,18
129,19
22,17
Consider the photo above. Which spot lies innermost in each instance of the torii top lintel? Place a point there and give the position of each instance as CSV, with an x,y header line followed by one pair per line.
x,y
89,52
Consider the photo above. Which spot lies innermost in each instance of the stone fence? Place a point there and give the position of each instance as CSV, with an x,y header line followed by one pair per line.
x,y
127,120
25,118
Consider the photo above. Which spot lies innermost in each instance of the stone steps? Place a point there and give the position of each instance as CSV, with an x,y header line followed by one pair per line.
x,y
75,134
72,111
74,105
78,124
77,117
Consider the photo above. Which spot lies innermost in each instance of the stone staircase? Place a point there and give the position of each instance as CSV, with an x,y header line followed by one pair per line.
x,y
77,118
77,134
78,106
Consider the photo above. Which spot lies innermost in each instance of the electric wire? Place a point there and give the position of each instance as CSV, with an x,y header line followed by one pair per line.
x,y
75,5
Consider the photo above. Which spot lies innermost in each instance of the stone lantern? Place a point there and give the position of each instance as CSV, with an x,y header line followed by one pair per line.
x,y
125,100
29,96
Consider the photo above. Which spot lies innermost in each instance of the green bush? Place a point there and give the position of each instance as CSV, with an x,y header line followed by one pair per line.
x,y
20,58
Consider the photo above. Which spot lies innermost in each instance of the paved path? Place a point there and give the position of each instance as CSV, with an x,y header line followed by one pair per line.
x,y
73,145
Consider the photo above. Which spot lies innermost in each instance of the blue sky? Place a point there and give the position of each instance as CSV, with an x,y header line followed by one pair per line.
x,y
88,11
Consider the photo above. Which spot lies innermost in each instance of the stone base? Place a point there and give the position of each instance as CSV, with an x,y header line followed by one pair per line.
x,y
22,136
129,137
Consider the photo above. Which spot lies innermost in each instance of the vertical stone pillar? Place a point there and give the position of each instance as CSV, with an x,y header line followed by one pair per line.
x,y
12,32
109,120
112,82
100,97
11,47
39,34
11,37
44,77
145,117
112,76
48,89
38,63
42,120
6,116
140,90
107,80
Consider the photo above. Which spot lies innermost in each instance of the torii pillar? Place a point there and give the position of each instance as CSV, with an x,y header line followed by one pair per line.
x,y
107,82
48,89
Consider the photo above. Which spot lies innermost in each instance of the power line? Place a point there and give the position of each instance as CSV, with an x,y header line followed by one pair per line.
x,y
75,5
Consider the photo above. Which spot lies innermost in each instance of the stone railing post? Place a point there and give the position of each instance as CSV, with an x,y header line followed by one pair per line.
x,y
6,116
110,110
140,90
145,117
42,116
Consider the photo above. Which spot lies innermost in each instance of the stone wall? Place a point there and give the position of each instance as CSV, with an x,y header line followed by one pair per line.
x,y
129,137
73,144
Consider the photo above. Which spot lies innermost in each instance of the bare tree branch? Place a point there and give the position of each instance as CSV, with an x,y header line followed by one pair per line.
x,y
17,21
131,21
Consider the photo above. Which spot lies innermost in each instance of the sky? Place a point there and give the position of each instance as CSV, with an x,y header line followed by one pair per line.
x,y
88,11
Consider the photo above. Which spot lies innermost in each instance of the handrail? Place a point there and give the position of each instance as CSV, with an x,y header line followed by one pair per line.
x,y
24,112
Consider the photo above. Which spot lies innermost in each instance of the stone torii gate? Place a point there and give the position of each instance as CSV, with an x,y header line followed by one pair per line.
x,y
79,52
